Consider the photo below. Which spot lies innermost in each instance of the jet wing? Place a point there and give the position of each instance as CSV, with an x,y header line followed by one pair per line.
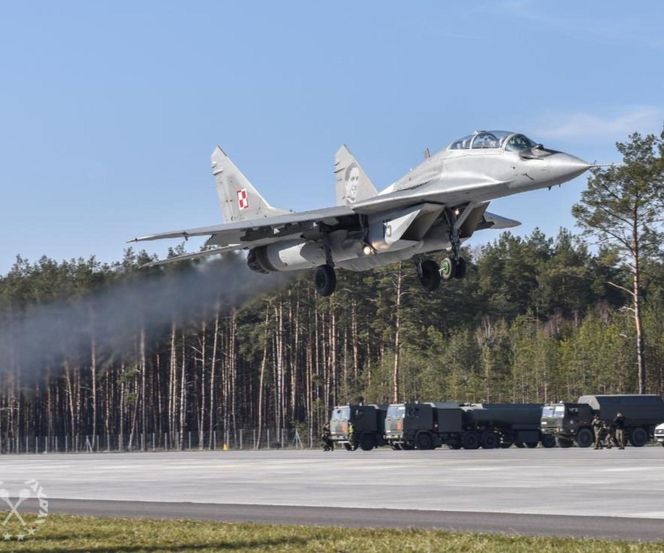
x,y
255,232
190,256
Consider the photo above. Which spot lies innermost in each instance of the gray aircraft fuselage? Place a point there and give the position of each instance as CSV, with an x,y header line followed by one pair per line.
x,y
451,177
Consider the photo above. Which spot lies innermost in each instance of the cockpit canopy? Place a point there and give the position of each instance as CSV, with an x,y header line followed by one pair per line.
x,y
482,140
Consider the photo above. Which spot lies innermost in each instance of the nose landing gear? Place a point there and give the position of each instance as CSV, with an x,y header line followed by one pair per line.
x,y
449,268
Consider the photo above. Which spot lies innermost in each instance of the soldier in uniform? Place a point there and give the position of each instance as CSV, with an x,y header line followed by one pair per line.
x,y
598,429
607,434
326,438
619,423
351,435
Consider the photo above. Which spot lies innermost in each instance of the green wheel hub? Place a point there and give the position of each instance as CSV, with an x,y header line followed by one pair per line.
x,y
447,269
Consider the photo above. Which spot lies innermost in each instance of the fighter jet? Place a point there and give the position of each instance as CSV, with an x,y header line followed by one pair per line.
x,y
432,208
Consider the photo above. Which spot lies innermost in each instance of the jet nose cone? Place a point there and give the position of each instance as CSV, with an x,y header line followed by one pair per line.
x,y
567,166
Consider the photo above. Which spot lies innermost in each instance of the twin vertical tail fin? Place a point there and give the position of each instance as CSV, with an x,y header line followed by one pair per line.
x,y
353,184
238,198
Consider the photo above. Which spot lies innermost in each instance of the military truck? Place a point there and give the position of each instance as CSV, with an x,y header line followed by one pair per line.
x,y
571,422
430,425
422,425
504,424
358,425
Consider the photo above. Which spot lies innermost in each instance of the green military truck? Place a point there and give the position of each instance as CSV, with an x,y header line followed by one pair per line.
x,y
468,426
422,425
358,425
571,422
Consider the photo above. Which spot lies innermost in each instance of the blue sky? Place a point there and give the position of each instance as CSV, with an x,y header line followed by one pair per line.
x,y
109,110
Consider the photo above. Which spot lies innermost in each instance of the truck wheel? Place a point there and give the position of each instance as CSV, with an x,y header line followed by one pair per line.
x,y
638,437
488,440
367,442
424,441
506,444
531,445
470,440
548,440
564,442
520,445
585,437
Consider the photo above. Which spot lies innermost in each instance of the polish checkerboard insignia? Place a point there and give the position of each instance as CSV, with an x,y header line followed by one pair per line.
x,y
242,199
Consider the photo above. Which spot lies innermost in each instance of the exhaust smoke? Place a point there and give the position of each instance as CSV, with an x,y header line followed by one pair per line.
x,y
43,337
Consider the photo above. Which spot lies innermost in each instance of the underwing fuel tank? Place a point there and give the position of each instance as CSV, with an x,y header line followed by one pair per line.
x,y
295,255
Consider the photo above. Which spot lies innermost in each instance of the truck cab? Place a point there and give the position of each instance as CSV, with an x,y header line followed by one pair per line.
x,y
572,421
358,425
568,422
422,425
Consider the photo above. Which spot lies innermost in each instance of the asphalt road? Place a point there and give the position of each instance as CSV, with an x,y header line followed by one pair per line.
x,y
539,492
494,523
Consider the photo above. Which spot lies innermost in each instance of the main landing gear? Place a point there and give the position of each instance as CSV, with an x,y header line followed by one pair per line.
x,y
325,280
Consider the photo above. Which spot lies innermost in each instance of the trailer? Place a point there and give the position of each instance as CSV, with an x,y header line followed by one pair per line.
x,y
505,424
571,423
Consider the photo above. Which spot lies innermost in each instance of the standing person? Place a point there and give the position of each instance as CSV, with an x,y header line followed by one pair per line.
x,y
326,438
351,435
598,429
619,423
607,434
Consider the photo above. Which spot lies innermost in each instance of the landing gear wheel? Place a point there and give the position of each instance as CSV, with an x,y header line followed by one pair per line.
x,y
429,275
460,269
325,280
447,267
